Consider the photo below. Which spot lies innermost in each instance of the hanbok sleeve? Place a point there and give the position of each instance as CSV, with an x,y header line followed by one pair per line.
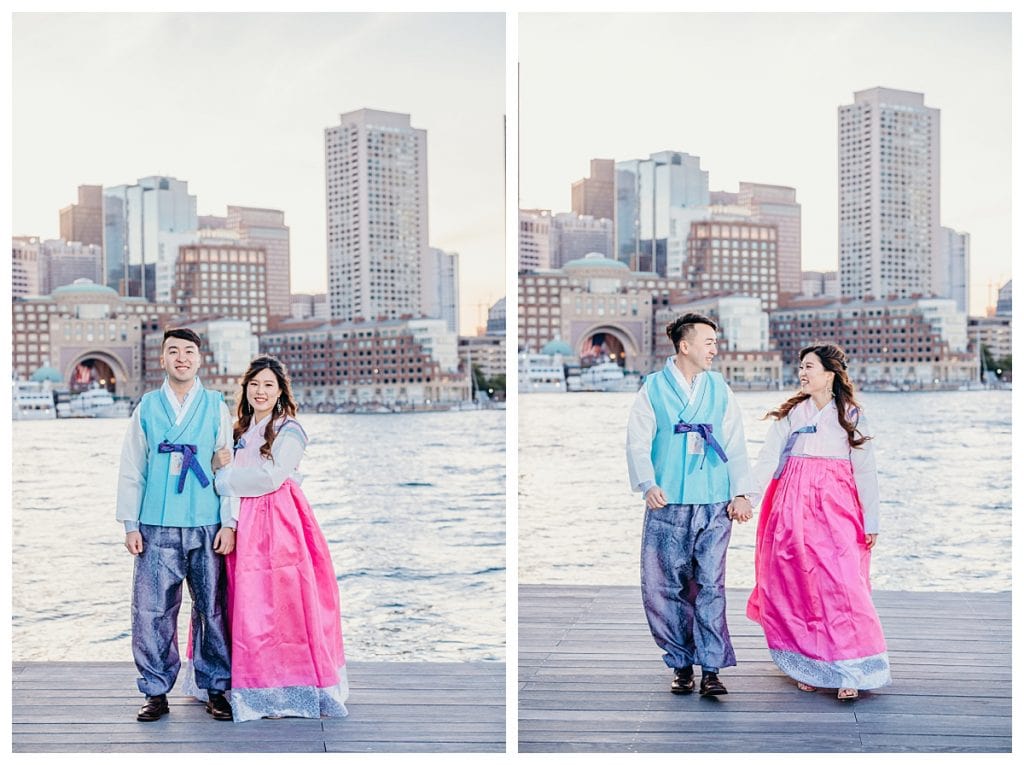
x,y
735,446
266,477
640,430
131,476
229,506
865,475
768,458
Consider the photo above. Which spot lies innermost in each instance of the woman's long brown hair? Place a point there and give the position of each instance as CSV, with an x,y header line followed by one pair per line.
x,y
833,358
285,406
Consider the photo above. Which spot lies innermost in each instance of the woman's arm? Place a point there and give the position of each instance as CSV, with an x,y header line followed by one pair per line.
x,y
266,477
865,475
768,458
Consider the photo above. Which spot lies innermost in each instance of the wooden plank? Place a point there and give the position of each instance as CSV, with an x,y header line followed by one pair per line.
x,y
592,680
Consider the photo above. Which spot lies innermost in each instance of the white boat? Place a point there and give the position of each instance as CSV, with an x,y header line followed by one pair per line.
x,y
95,402
541,373
32,401
608,377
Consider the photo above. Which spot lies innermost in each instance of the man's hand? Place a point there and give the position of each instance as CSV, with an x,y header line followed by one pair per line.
x,y
224,542
740,509
869,540
655,498
221,458
133,542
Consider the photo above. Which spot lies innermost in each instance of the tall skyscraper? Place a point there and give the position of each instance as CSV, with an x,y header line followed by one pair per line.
x,y
83,222
144,224
265,228
778,205
888,195
441,287
595,196
376,215
952,267
656,201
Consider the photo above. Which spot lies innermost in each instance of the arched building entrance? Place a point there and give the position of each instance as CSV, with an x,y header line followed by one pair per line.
x,y
95,368
607,343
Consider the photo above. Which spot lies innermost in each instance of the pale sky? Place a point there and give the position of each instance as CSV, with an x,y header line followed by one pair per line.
x,y
237,104
756,97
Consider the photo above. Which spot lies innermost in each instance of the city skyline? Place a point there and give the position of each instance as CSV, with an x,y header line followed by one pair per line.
x,y
230,106
719,86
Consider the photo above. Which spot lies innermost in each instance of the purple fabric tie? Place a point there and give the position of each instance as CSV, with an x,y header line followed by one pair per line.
x,y
188,462
703,429
790,443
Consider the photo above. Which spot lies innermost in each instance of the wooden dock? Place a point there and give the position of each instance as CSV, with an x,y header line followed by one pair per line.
x,y
393,707
592,680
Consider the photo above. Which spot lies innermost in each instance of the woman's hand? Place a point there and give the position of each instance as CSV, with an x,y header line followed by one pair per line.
x,y
869,540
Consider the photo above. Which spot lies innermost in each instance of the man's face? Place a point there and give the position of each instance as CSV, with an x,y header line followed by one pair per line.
x,y
700,347
180,359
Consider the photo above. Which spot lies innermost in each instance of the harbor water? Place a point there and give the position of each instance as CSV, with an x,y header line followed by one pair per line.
x,y
944,464
412,505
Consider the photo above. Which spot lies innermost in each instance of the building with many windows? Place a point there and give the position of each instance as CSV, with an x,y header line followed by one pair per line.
x,y
905,343
370,365
64,262
24,266
263,228
574,236
777,205
377,232
222,279
888,196
734,257
595,196
441,287
83,222
952,267
534,240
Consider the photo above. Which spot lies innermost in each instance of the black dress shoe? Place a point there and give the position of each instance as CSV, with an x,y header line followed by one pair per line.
x,y
682,680
710,685
154,708
218,706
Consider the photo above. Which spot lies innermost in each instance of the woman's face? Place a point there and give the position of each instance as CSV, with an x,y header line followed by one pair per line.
x,y
262,393
814,378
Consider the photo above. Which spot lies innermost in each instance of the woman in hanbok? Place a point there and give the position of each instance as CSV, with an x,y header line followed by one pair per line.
x,y
287,654
817,527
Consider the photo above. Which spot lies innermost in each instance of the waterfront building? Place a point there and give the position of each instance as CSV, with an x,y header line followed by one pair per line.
x,y
83,222
64,262
487,352
745,356
595,196
377,232
224,280
385,363
496,322
534,240
777,205
260,227
888,196
819,284
952,267
908,342
993,332
734,256
87,332
656,200
441,287
305,306
574,236
24,266
144,225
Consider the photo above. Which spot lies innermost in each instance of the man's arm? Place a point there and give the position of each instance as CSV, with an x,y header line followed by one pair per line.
x,y
131,482
224,541
735,445
640,430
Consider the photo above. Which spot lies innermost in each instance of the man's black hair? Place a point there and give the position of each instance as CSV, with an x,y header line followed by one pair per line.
x,y
682,327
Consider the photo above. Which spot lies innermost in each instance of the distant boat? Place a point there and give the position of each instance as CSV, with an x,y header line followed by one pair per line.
x,y
541,373
32,401
608,377
94,402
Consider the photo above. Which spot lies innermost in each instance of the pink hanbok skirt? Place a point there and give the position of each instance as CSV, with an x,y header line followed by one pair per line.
x,y
813,592
287,653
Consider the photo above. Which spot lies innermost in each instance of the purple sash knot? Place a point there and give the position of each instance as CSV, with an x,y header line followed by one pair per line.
x,y
188,462
703,429
790,443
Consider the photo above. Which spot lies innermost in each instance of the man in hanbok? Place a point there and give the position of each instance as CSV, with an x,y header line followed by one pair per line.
x,y
687,454
177,528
